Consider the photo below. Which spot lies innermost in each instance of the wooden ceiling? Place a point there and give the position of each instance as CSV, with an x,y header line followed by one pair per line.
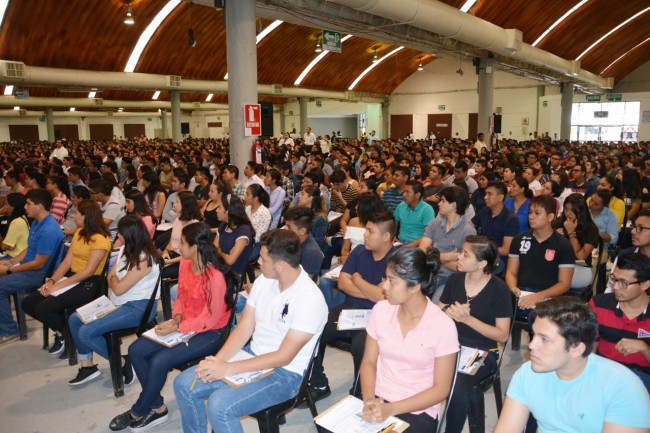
x,y
90,34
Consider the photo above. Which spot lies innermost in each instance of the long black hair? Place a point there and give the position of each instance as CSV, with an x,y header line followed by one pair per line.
x,y
17,201
237,216
140,206
137,241
199,234
414,266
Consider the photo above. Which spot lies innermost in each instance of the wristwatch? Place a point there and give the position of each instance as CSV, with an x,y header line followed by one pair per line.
x,y
9,271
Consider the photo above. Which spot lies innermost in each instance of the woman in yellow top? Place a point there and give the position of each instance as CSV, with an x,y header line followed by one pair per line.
x,y
15,239
83,264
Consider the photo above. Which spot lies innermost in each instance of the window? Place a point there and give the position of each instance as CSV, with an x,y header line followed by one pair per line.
x,y
606,121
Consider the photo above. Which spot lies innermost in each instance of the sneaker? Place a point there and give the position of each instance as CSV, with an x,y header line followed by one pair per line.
x,y
8,338
86,374
317,393
121,421
58,346
128,372
64,355
150,420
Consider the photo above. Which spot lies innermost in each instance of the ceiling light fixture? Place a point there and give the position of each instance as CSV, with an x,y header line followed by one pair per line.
x,y
92,94
319,47
420,67
128,19
375,58
467,6
191,41
209,98
146,35
72,108
559,21
314,62
16,108
156,94
9,90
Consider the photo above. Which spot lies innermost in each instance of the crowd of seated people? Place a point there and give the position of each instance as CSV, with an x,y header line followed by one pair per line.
x,y
420,227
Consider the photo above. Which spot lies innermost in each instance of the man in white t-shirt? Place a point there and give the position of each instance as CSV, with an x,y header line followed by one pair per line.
x,y
59,152
310,138
285,315
286,140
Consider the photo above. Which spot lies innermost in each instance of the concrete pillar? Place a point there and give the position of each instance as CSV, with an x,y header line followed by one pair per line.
x,y
163,123
485,95
541,91
49,121
567,105
304,108
176,116
242,75
385,121
283,126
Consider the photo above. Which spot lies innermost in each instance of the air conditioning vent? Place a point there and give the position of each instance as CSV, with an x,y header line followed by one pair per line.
x,y
277,89
173,81
110,114
22,113
98,102
196,104
15,70
350,96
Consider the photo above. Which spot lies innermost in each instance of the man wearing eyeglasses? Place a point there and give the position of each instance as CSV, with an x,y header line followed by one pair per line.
x,y
640,240
623,316
580,183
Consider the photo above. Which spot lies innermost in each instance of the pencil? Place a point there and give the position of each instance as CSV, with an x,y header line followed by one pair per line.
x,y
387,429
193,383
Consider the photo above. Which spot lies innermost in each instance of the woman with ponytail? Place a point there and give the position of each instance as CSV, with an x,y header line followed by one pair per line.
x,y
205,299
480,305
410,355
519,201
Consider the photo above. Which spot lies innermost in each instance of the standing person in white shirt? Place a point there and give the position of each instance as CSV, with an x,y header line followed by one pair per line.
x,y
285,315
480,143
59,152
286,140
309,138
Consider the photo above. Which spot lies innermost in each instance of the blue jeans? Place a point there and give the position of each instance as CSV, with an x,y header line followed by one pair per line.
x,y
89,337
645,377
332,296
225,403
152,361
13,283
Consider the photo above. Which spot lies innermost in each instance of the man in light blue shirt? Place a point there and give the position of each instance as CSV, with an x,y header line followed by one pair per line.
x,y
566,387
603,216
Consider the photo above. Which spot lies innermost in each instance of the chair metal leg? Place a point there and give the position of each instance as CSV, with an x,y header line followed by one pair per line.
x,y
476,413
70,347
46,337
268,425
516,339
498,396
19,296
115,361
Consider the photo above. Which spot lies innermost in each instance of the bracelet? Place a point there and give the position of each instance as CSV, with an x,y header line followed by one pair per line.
x,y
571,233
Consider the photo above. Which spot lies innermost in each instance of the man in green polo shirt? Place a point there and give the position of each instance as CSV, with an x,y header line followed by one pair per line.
x,y
413,214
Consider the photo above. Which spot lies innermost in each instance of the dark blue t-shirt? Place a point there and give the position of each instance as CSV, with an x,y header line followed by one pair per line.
x,y
504,224
227,240
373,271
311,256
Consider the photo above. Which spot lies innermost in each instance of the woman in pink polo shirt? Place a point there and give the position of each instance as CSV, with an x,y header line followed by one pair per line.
x,y
410,355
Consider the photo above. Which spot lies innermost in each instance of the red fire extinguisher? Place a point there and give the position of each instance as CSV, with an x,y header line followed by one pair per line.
x,y
257,152
493,140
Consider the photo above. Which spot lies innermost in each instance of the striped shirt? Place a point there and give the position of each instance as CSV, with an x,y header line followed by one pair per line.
x,y
60,205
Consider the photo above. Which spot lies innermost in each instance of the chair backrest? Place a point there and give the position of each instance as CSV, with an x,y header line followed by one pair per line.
x,y
144,322
55,258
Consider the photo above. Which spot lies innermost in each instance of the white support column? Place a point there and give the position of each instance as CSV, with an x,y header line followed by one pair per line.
x,y
176,116
242,75
49,120
485,94
163,123
304,109
567,107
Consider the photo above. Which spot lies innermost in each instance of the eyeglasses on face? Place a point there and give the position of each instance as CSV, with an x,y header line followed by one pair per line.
x,y
612,281
638,228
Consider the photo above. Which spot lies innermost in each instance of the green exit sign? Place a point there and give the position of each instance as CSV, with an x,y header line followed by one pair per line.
x,y
593,98
441,107
614,97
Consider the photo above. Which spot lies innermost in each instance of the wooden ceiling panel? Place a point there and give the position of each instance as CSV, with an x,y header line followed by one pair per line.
x,y
393,71
588,24
531,17
630,62
169,52
603,54
283,53
76,34
336,71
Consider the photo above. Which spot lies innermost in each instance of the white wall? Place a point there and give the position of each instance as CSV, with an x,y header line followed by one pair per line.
x,y
439,84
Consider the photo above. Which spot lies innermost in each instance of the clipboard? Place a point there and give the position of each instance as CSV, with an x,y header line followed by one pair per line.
x,y
353,320
238,380
169,340
343,417
471,359
96,309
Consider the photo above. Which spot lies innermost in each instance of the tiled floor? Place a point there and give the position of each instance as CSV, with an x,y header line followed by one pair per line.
x,y
36,398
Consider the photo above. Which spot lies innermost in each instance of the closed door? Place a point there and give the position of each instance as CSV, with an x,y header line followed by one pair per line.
x,y
440,124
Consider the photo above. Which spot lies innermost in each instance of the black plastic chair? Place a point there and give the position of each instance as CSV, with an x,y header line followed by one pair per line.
x,y
476,413
587,292
166,298
19,296
114,341
270,419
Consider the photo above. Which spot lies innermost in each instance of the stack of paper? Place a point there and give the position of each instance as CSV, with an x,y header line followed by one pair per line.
x,y
169,340
353,319
344,417
96,309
